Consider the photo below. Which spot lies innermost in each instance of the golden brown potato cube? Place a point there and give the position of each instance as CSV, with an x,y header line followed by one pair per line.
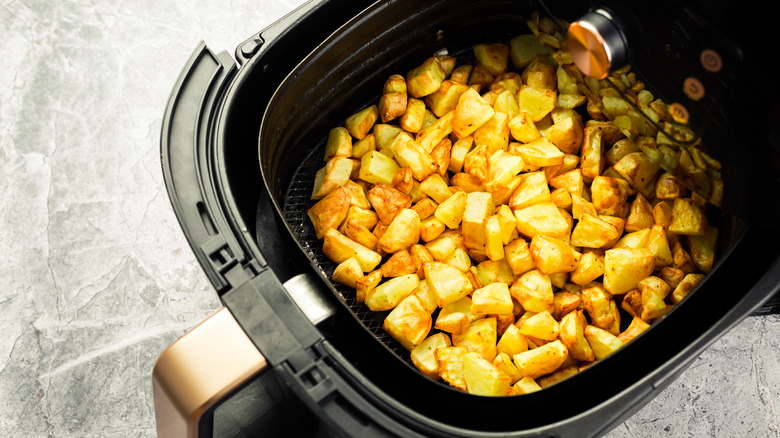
x,y
624,268
361,123
533,290
540,325
359,233
450,360
394,84
493,56
640,215
427,296
364,146
632,303
589,268
449,283
384,134
424,355
467,182
438,130
634,329
601,341
597,303
702,249
453,322
391,106
446,97
330,211
681,259
431,228
572,335
459,258
518,256
409,323
533,189
543,218
480,77
637,239
494,133
536,102
565,302
445,244
637,168
412,118
620,149
503,362
450,212
367,283
441,155
479,205
688,283
494,242
553,255
561,374
477,162
420,254
502,167
654,291
402,232
400,263
572,181
512,341
479,337
387,202
426,78
567,135
526,385
489,271
608,194
387,295
470,113
592,152
377,168
525,48
461,73
410,154
333,175
492,299
436,187
348,272
672,276
668,187
338,247
484,378
425,208
542,360
688,218
458,153
540,74
659,245
506,103
541,153
339,143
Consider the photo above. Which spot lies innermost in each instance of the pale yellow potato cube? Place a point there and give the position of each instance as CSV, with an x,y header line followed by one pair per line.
x,y
427,295
512,341
601,341
493,298
339,143
388,294
409,323
533,290
338,248
624,268
334,174
526,385
482,377
402,232
449,283
541,153
436,187
471,112
544,218
377,168
450,361
494,133
553,255
532,189
458,153
542,360
589,268
536,102
348,272
450,212
446,97
540,325
410,154
494,241
493,56
518,256
479,205
426,78
504,363
438,129
412,119
366,284
688,218
572,335
608,194
424,355
479,337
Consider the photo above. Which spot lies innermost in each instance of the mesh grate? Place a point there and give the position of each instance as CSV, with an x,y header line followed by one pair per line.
x,y
296,203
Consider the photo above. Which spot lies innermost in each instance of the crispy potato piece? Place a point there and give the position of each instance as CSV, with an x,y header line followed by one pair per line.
x,y
366,284
493,298
518,256
688,218
540,152
470,113
634,329
572,335
479,337
592,151
377,168
449,283
388,202
536,102
339,143
512,341
348,272
597,303
624,268
567,135
540,74
450,212
334,174
504,363
494,133
409,323
387,295
479,206
450,361
525,48
426,78
608,194
446,97
526,385
523,128
359,233
410,154
330,211
493,56
402,232
601,341
544,218
400,263
702,248
589,268
426,295
688,283
553,255
541,360
540,325
482,377
654,291
533,189
338,248
571,181
565,302
533,290
424,355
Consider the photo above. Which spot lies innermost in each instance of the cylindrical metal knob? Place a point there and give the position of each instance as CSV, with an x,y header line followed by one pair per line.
x,y
597,44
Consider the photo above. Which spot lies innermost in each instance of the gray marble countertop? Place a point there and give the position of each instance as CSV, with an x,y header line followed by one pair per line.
x,y
96,277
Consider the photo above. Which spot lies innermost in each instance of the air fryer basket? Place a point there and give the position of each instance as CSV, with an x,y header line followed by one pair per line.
x,y
344,74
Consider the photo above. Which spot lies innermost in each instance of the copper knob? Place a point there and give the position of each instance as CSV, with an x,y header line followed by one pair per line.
x,y
596,44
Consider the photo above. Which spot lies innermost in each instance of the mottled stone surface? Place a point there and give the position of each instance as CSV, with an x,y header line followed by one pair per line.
x,y
96,277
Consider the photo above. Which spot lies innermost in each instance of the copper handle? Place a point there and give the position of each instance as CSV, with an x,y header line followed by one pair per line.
x,y
198,370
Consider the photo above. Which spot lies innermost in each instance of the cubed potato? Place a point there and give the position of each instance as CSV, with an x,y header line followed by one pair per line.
x,y
525,48
492,299
572,181
410,154
589,268
553,255
556,376
348,272
377,168
540,325
494,242
659,245
330,211
479,337
540,74
479,205
366,284
565,302
426,78
412,118
425,208
470,113
467,182
526,385
402,232
512,341
494,133
636,239
436,187
668,187
361,123
432,134
624,268
449,283
533,290
453,322
506,103
461,73
445,244
450,212
387,295
686,286
567,135
338,248
572,335
640,215
681,259
702,248
356,231
400,263
480,77
459,258
634,329
427,296
409,323
597,303
637,168
384,134
592,152
388,202
493,56
518,256
391,106
653,292
333,175
458,153
608,194
446,97
489,271
542,360
544,218
424,355
364,146
688,218
484,378
441,154
450,360
541,153
431,228
504,363
394,84
523,128
532,189
538,103
601,341
339,143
